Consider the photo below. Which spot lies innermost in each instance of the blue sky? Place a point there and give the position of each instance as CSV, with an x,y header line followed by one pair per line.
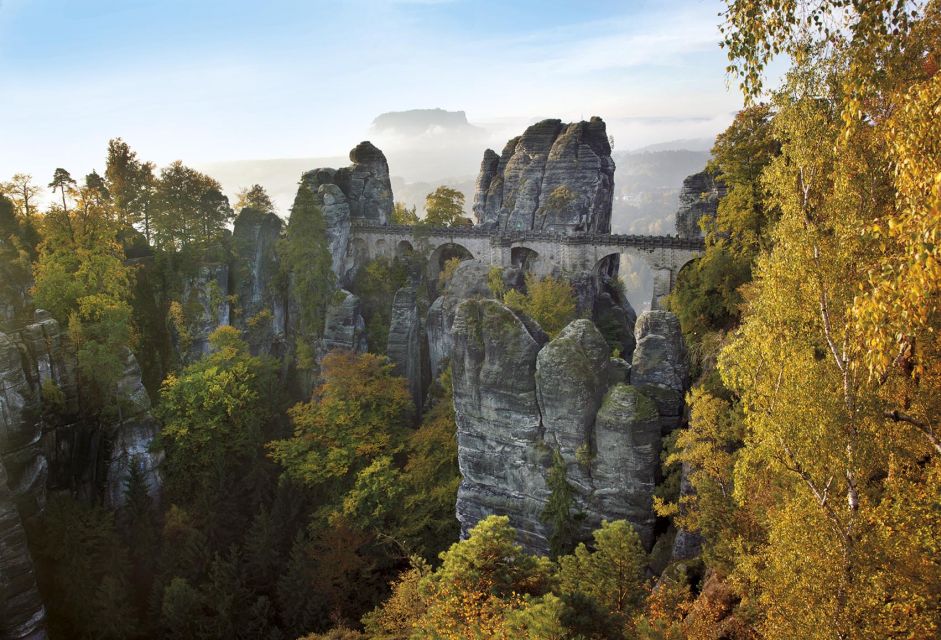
x,y
208,81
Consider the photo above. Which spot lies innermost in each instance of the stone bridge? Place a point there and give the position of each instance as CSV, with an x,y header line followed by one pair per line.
x,y
540,253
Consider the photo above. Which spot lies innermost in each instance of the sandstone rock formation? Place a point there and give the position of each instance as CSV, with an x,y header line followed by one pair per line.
x,y
261,308
22,615
468,281
555,177
499,429
660,366
699,197
365,183
520,400
46,444
344,327
405,342
205,307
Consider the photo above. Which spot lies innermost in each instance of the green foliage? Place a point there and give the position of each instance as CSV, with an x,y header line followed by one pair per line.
x,y
612,574
495,282
83,572
558,510
305,258
360,412
131,184
189,209
444,207
213,414
375,284
254,197
549,301
707,296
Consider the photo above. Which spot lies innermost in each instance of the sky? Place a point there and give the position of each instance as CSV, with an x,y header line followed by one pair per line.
x,y
208,81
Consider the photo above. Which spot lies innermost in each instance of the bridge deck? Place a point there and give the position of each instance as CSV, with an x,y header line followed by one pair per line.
x,y
507,238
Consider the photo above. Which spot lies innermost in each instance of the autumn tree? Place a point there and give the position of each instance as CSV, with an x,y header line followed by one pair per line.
x,y
23,193
254,197
359,413
213,415
131,183
444,207
189,209
550,301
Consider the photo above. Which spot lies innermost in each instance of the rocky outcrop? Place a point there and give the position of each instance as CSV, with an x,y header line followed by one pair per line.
x,y
344,327
625,461
404,346
22,614
204,305
132,438
261,309
468,281
555,177
520,401
499,432
699,197
365,184
47,444
660,366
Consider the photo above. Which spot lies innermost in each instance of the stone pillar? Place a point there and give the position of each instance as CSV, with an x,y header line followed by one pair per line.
x,y
662,285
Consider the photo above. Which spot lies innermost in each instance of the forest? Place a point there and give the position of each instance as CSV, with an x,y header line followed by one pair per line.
x,y
314,500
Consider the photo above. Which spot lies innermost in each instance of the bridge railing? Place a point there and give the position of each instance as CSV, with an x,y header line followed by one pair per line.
x,y
506,238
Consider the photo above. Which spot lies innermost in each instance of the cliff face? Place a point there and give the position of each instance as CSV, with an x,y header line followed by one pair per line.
x,y
520,400
46,444
699,197
261,309
555,177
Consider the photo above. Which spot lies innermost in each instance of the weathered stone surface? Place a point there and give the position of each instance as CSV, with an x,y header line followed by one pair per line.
x,y
132,438
626,460
22,614
365,183
660,365
502,459
468,281
344,327
404,346
555,177
571,379
205,305
699,197
336,214
261,309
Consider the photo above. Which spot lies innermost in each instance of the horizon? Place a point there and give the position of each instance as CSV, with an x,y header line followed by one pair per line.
x,y
214,84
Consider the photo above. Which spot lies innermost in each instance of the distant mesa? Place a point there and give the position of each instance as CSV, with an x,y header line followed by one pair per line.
x,y
423,122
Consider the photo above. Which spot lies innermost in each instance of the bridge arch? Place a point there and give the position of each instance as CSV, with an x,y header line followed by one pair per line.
x,y
381,248
404,248
607,266
443,253
524,258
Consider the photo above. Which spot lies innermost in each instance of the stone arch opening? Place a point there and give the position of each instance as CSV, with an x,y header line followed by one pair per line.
x,y
607,267
403,249
381,247
440,256
524,258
